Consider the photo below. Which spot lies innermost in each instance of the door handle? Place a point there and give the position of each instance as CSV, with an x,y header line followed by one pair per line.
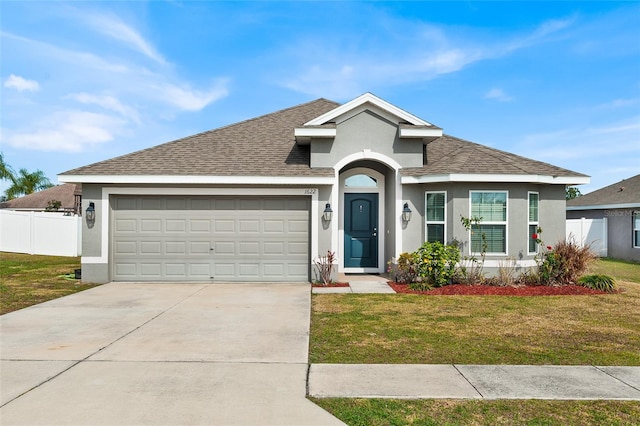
x,y
375,234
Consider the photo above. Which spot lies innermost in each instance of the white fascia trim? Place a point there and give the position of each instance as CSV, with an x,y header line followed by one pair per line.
x,y
506,178
108,191
197,180
606,206
304,132
420,133
361,100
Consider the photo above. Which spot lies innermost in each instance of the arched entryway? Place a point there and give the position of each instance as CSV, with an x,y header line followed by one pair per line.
x,y
362,220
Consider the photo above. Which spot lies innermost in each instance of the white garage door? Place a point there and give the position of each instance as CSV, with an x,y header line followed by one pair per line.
x,y
210,239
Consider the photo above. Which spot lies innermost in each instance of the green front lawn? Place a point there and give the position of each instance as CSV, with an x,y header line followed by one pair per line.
x,y
27,280
602,330
416,329
379,412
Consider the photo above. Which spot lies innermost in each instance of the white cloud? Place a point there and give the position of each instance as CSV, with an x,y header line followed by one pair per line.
x,y
107,102
498,94
70,131
113,27
190,99
420,53
21,84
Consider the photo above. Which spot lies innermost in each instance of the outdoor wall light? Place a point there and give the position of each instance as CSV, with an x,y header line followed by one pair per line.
x,y
328,213
90,214
406,212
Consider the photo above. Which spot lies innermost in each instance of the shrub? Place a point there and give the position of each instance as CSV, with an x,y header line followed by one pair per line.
x,y
506,272
324,266
598,282
564,263
405,270
436,264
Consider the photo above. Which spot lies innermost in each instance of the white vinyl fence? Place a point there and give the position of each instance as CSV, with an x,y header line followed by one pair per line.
x,y
589,231
40,233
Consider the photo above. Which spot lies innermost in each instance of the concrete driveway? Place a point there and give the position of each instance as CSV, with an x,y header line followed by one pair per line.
x,y
152,354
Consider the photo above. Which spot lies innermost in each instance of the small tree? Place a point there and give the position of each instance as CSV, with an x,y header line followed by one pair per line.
x,y
53,206
572,192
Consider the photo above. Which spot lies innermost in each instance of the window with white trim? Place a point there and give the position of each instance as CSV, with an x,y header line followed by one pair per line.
x,y
435,216
534,208
491,207
636,229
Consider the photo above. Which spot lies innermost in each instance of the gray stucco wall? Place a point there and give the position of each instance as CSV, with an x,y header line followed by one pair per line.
x,y
551,215
92,236
366,131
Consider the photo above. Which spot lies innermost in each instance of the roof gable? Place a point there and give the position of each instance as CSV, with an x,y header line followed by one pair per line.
x,y
323,126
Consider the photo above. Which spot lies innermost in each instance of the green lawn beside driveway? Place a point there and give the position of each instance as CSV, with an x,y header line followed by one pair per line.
x,y
27,280
561,330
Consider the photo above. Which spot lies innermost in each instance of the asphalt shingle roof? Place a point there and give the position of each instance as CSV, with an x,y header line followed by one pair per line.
x,y
266,146
40,199
261,146
448,154
626,191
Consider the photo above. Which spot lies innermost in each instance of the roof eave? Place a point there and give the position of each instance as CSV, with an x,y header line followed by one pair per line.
x,y
605,206
196,180
488,177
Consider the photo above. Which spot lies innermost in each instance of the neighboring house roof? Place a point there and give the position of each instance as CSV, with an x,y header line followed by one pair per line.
x,y
266,147
624,194
39,200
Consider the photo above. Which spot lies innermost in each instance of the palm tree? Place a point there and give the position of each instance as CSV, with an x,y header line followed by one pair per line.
x,y
6,172
27,183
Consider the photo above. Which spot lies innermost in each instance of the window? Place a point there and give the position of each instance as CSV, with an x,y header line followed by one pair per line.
x,y
360,181
491,207
435,216
636,229
534,207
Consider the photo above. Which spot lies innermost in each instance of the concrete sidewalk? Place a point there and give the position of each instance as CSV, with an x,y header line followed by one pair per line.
x,y
474,381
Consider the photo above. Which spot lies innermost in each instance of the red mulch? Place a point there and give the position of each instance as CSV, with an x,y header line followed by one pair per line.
x,y
330,285
483,290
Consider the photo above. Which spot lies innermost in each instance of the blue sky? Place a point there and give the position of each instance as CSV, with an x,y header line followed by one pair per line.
x,y
554,81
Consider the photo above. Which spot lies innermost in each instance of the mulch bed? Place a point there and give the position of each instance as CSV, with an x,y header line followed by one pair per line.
x,y
486,290
320,285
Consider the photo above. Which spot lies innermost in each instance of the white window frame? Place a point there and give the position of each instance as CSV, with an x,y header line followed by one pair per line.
x,y
435,222
635,216
505,223
530,222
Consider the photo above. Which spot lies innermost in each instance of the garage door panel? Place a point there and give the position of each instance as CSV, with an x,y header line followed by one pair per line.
x,y
150,225
175,225
210,239
249,226
150,247
224,226
200,225
125,225
175,247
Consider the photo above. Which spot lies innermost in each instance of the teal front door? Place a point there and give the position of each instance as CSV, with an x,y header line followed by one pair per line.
x,y
360,230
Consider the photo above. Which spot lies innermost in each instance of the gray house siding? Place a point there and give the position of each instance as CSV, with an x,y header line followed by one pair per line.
x,y
551,216
619,230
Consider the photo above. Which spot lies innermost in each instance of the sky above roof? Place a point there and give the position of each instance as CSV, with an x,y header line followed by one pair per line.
x,y
557,82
